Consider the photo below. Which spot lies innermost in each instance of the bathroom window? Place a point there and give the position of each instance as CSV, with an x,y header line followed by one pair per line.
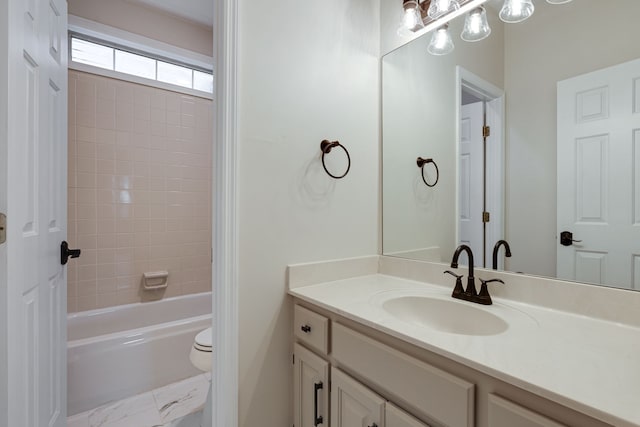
x,y
136,65
203,81
85,52
119,59
175,74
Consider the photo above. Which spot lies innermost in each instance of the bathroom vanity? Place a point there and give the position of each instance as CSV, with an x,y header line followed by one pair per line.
x,y
374,349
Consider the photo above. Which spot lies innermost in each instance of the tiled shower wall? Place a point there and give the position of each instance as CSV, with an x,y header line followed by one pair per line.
x,y
139,191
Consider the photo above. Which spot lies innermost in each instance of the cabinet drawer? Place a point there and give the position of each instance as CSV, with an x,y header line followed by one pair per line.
x,y
311,328
426,390
503,413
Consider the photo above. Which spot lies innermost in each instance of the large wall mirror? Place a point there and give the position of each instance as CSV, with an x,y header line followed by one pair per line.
x,y
560,94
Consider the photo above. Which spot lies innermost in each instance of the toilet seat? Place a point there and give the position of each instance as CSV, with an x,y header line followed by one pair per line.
x,y
202,350
203,340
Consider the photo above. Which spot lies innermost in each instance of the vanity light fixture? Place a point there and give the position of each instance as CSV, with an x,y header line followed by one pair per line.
x,y
437,8
441,43
412,18
476,26
558,1
417,14
516,10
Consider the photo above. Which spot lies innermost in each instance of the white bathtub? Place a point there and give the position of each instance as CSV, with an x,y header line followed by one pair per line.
x,y
121,351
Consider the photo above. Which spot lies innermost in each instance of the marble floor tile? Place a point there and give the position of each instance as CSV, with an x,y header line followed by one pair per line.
x,y
137,411
181,398
191,420
175,405
80,420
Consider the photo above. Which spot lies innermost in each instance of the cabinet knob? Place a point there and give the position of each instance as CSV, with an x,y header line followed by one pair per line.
x,y
305,328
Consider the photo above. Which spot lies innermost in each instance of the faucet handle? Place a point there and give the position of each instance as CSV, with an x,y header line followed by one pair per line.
x,y
490,280
458,290
484,297
457,276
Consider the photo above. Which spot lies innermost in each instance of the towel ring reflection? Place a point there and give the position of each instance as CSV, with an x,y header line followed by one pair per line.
x,y
421,162
325,147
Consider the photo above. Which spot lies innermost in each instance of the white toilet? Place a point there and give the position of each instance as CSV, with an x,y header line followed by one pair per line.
x,y
201,351
201,358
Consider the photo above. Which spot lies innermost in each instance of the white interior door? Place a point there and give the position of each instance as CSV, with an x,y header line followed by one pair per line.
x,y
36,156
495,188
471,178
598,179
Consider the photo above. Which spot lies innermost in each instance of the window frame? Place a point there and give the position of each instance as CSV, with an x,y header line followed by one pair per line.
x,y
120,40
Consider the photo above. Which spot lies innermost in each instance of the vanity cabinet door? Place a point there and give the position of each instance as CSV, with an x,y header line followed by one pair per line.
x,y
352,404
395,417
503,413
310,389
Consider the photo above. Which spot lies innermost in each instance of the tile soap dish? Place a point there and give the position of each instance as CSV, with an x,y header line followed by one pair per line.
x,y
154,280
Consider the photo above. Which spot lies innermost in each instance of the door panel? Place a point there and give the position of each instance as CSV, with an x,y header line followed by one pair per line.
x,y
352,404
36,211
598,191
494,171
309,370
471,178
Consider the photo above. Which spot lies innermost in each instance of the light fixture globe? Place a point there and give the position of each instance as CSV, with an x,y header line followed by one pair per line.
x,y
476,26
412,19
438,8
441,43
516,10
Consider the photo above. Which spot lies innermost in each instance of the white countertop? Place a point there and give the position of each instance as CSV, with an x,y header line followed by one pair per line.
x,y
590,365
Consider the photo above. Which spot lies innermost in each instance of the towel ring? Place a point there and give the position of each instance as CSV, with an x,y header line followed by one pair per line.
x,y
421,162
325,147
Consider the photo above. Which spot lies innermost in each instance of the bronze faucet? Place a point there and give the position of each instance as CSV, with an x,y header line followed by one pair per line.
x,y
507,252
470,293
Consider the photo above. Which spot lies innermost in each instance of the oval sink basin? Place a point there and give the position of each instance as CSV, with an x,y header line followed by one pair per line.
x,y
445,315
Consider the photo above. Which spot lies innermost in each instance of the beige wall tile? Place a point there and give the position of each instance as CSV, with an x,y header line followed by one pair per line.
x,y
108,299
86,303
72,304
139,191
86,287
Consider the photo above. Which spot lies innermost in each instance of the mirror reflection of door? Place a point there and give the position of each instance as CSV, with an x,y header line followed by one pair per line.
x,y
471,176
598,184
480,167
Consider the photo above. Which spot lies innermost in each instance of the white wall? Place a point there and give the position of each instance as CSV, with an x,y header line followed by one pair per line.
x,y
146,21
308,71
570,40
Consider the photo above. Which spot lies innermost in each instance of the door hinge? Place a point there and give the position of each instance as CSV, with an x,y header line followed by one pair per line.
x,y
486,217
293,359
3,228
486,131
